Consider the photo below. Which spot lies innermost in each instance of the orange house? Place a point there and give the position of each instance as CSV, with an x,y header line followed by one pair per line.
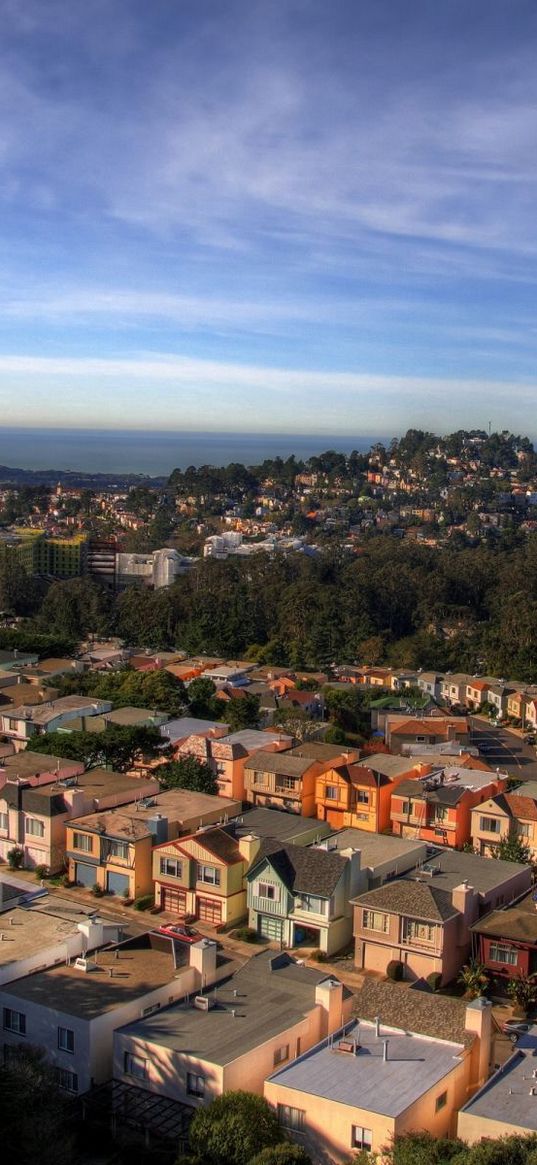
x,y
437,807
359,795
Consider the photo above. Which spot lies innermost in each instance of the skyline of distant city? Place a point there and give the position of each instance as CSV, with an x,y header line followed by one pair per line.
x,y
295,218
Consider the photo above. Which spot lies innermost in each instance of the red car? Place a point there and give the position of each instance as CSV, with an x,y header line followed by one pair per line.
x,y
177,930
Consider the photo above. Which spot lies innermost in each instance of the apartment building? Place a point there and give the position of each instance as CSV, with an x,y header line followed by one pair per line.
x,y
31,939
407,1062
265,1014
73,1009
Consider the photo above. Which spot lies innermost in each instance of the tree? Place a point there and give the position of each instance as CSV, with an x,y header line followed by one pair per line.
x,y
285,1154
116,747
474,979
33,1112
200,694
513,849
233,1129
424,1149
523,991
188,773
242,712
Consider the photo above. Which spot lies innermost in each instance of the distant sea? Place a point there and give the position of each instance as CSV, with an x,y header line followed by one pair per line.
x,y
156,454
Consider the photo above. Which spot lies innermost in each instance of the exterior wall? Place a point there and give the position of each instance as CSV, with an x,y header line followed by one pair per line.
x,y
92,1058
230,895
472,1127
505,970
137,867
269,792
445,954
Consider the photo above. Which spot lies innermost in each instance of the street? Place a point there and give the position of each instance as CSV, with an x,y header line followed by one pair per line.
x,y
504,750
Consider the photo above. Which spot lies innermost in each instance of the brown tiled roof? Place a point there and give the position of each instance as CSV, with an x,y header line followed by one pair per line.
x,y
517,922
216,842
408,897
525,808
438,1016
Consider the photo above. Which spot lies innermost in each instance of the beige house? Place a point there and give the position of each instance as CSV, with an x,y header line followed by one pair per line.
x,y
506,1104
267,1013
406,1063
203,875
507,815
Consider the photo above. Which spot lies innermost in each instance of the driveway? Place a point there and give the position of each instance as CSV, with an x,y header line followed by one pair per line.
x,y
504,750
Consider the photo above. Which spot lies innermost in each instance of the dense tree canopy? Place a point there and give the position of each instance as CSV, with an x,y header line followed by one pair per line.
x,y
115,748
188,773
233,1129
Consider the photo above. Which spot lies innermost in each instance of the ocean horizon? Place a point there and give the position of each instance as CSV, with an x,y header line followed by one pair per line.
x,y
156,454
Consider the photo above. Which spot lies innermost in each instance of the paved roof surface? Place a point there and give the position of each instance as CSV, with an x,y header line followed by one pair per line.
x,y
32,764
25,932
44,713
269,994
389,766
143,964
278,762
507,1097
366,1080
278,824
178,805
413,898
217,842
485,874
190,726
375,848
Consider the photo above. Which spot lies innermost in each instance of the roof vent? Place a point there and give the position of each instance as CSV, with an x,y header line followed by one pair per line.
x,y
203,1002
82,964
350,1047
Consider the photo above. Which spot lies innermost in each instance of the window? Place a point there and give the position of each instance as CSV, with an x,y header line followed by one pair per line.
x,y
14,1021
361,1138
286,783
439,813
118,849
135,1066
269,891
4,821
67,1081
281,1055
523,829
362,796
291,1118
421,740
171,867
406,807
311,902
195,1085
331,793
83,841
66,1039
440,1102
373,920
209,874
499,953
414,931
489,824
34,827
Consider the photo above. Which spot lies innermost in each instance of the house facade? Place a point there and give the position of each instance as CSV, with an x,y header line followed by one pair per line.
x,y
506,815
358,795
204,876
438,807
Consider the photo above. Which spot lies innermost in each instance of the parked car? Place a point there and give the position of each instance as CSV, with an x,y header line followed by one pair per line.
x,y
180,932
514,1028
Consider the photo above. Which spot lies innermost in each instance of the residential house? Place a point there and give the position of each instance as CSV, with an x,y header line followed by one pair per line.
x,y
183,727
453,688
17,659
114,849
311,703
477,691
357,794
38,768
507,815
298,894
73,1009
516,703
265,1014
531,713
505,1104
438,806
505,941
22,723
431,683
423,920
382,857
126,717
14,694
228,754
203,875
287,780
404,731
279,825
33,816
406,1063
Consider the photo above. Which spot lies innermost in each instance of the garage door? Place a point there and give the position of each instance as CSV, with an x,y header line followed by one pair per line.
x,y
117,883
86,875
173,900
269,928
209,911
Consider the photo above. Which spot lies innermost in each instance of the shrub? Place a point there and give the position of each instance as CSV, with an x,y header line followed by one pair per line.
x,y
41,872
144,902
286,1154
434,980
233,1129
246,934
66,881
15,858
318,956
395,970
97,890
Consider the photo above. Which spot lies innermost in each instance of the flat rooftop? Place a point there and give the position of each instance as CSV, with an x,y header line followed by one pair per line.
x,y
269,994
506,1097
414,1065
191,726
25,932
141,965
180,805
375,848
276,823
97,783
254,738
388,766
31,764
44,713
451,867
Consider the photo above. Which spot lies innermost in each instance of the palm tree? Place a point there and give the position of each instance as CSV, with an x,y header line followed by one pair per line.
x,y
474,979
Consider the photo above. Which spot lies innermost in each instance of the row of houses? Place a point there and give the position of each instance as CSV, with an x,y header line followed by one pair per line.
x,y
508,698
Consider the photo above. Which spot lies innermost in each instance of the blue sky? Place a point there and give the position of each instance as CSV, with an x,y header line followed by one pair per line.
x,y
286,215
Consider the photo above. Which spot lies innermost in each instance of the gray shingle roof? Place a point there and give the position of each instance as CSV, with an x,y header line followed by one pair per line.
x,y
304,870
407,897
278,762
414,1011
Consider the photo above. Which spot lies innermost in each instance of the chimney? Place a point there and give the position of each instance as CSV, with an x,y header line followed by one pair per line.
x,y
249,846
478,1019
465,899
329,996
203,959
385,1051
